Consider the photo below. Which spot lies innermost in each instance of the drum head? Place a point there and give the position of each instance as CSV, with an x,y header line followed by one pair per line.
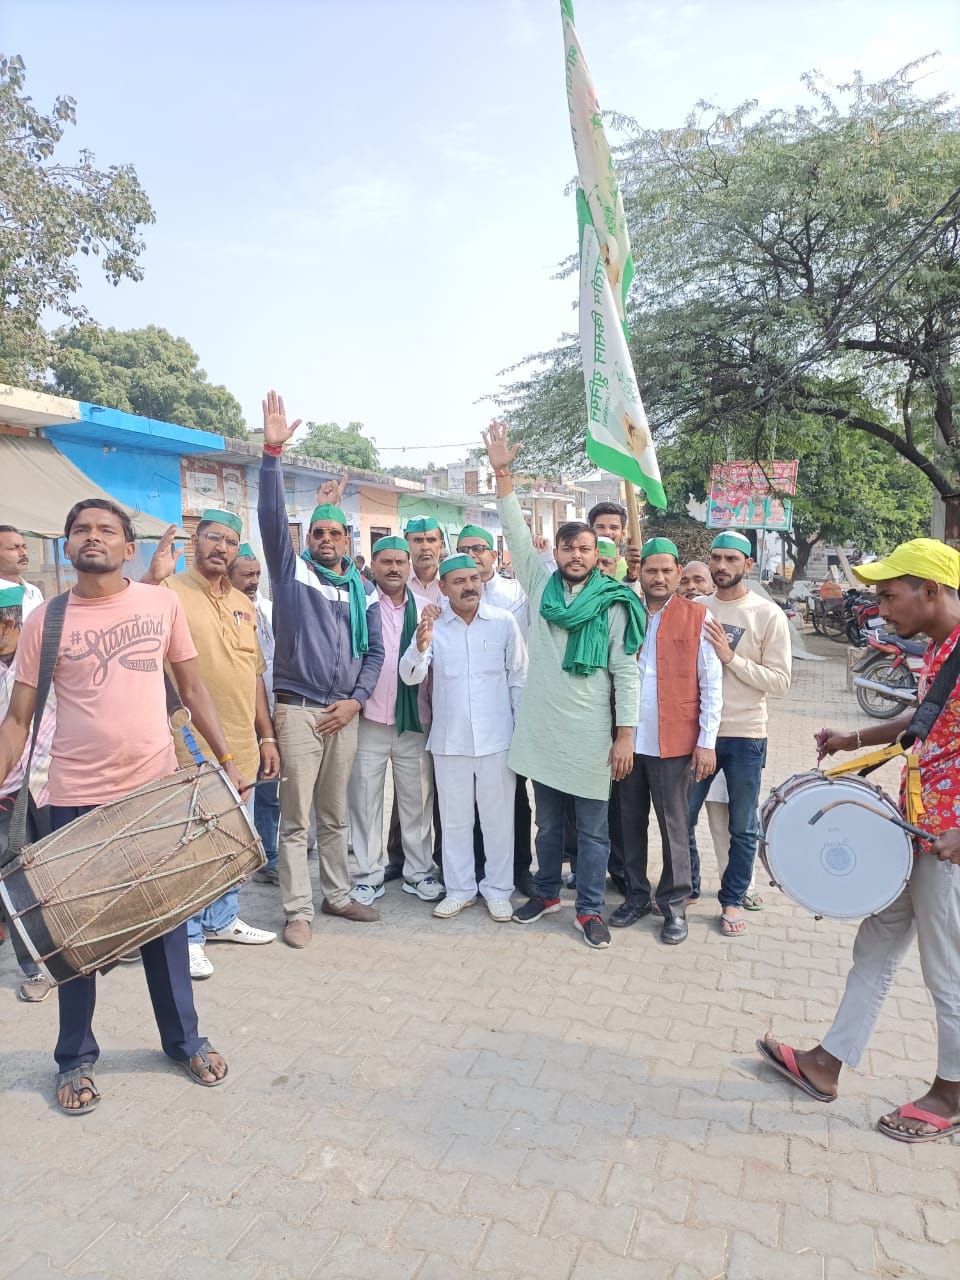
x,y
850,863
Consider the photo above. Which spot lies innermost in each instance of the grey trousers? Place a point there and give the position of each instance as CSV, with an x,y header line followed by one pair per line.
x,y
313,775
928,909
665,784
378,744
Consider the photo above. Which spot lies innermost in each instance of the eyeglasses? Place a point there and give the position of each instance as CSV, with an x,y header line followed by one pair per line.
x,y
474,546
216,538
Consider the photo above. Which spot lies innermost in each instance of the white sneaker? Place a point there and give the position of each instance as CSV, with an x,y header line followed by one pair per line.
x,y
240,932
200,966
429,889
451,906
367,894
500,909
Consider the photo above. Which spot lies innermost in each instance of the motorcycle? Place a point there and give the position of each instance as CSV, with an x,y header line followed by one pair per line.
x,y
887,675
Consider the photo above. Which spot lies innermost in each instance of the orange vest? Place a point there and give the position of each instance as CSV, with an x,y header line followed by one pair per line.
x,y
678,685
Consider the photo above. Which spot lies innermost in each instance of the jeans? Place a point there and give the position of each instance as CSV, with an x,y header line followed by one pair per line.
x,y
741,761
266,818
593,847
222,912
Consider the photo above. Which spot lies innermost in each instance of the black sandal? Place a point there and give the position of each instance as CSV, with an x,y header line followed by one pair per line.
x,y
74,1079
195,1073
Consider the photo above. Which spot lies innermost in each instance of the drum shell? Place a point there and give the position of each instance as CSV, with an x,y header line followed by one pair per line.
x,y
843,874
129,871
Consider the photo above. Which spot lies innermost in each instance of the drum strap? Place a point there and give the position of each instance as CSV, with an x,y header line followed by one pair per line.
x,y
934,701
53,619
180,723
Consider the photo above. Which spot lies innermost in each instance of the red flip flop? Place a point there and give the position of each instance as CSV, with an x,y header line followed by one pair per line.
x,y
790,1071
908,1111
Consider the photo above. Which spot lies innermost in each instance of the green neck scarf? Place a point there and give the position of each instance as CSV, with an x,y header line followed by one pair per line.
x,y
407,713
358,599
585,618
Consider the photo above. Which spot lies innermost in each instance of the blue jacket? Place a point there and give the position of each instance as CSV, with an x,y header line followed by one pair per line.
x,y
311,617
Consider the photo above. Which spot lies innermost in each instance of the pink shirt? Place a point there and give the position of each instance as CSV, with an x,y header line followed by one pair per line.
x,y
381,706
111,733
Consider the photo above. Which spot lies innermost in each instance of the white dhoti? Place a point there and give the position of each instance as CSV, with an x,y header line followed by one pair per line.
x,y
488,782
413,786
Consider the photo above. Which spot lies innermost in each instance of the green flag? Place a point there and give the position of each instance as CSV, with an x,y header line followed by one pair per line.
x,y
618,437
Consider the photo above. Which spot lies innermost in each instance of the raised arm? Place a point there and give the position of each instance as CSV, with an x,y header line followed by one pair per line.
x,y
272,502
527,566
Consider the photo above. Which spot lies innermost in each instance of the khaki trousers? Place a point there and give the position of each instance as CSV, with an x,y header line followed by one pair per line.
x,y
413,787
313,776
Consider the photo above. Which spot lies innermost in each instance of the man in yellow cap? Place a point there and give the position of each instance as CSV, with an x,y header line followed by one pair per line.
x,y
917,591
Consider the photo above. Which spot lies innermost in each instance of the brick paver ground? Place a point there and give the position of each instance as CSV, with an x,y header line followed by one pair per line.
x,y
438,1100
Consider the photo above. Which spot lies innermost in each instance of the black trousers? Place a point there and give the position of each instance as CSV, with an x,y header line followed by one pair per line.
x,y
666,785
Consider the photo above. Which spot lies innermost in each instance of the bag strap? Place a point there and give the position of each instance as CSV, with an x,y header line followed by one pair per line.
x,y
934,701
51,635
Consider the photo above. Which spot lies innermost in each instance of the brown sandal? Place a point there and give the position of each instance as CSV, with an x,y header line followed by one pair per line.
x,y
196,1073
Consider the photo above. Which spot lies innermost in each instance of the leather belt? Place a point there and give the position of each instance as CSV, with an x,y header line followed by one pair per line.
x,y
295,700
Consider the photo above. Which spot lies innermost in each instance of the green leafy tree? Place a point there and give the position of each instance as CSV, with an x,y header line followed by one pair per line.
x,y
146,371
346,446
802,262
53,213
409,473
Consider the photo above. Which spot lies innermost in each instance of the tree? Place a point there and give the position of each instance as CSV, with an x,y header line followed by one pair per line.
x,y
51,213
346,446
794,266
145,371
409,473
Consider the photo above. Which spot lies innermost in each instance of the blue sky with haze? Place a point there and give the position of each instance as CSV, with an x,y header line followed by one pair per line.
x,y
362,204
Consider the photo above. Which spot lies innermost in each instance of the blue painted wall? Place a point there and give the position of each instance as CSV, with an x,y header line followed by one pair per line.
x,y
141,478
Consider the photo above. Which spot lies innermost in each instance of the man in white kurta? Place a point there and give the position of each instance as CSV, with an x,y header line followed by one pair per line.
x,y
479,664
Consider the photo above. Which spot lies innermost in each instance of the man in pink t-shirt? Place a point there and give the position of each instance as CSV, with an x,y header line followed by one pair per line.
x,y
112,736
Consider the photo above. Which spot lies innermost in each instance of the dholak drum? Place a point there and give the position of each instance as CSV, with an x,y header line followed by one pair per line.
x,y
130,871
850,862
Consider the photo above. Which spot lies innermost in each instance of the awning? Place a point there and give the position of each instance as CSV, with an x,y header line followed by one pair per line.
x,y
39,485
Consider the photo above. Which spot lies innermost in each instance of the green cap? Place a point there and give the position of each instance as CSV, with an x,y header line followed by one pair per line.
x,y
421,524
659,547
474,531
214,516
390,543
10,597
731,540
607,547
456,562
246,552
327,511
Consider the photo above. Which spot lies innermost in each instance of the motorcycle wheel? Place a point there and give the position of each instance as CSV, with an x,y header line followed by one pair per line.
x,y
884,672
833,624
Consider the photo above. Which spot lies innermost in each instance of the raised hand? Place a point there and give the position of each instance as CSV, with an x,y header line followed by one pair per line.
x,y
425,629
499,450
164,559
276,433
332,491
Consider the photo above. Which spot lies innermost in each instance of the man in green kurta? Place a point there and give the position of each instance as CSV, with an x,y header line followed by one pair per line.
x,y
585,631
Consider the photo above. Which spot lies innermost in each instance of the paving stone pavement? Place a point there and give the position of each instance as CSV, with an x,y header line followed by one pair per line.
x,y
434,1100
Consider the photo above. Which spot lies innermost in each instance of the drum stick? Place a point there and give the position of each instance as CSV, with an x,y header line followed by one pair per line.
x,y
897,822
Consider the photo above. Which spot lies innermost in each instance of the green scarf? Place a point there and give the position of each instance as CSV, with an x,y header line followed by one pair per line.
x,y
407,713
585,617
358,599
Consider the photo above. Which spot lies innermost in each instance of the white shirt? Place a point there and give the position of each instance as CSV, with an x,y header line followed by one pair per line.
x,y
267,643
479,671
646,739
507,593
32,596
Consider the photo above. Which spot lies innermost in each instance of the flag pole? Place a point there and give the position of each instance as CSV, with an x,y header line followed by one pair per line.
x,y
633,519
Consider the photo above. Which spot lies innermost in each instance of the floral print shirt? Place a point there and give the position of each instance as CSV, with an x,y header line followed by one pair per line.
x,y
940,753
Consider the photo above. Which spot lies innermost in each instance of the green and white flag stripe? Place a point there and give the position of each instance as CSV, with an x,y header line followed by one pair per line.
x,y
618,436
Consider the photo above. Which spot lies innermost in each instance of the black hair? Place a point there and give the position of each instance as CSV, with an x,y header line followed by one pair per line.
x,y
8,528
100,504
607,509
573,529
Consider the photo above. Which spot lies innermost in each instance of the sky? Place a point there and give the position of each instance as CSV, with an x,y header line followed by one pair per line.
x,y
361,203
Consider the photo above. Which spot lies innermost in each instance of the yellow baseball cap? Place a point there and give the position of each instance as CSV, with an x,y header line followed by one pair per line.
x,y
926,558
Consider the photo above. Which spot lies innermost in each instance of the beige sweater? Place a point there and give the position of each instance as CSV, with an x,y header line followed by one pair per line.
x,y
759,633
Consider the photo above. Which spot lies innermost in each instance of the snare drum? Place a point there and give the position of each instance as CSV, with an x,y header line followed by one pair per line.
x,y
129,871
851,862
